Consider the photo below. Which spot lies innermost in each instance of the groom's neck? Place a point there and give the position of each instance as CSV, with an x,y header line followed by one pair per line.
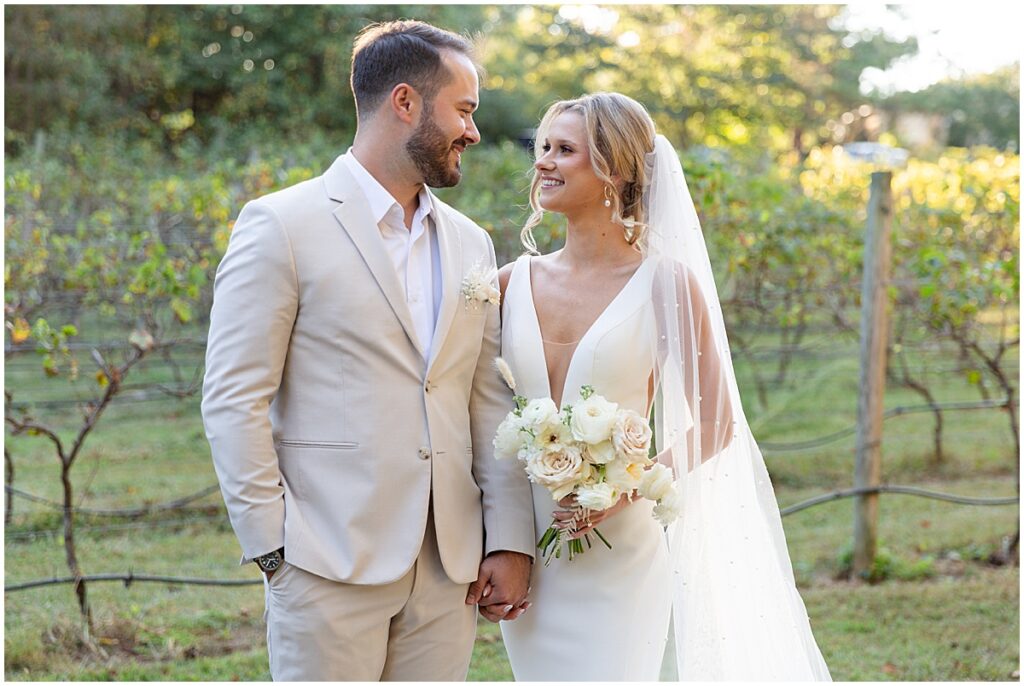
x,y
397,174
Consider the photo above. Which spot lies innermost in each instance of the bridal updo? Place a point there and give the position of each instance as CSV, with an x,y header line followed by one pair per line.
x,y
619,133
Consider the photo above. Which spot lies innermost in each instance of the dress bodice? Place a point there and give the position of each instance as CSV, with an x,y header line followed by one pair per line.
x,y
615,356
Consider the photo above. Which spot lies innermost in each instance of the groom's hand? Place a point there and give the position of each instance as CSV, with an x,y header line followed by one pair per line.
x,y
501,585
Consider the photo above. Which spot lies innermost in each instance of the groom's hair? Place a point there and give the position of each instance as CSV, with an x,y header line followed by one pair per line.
x,y
394,52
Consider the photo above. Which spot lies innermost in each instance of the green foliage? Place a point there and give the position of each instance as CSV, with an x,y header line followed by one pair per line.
x,y
720,75
983,109
887,565
174,72
52,346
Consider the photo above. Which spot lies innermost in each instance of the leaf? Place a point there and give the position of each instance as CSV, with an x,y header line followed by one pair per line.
x,y
20,330
102,379
181,310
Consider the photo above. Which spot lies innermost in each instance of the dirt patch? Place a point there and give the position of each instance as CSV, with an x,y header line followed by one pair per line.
x,y
123,640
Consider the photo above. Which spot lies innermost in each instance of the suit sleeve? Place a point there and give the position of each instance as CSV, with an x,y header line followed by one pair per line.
x,y
506,494
254,307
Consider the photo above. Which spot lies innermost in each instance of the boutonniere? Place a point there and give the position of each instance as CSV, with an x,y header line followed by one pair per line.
x,y
478,285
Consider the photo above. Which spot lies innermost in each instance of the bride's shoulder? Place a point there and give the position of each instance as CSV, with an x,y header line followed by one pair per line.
x,y
670,269
669,273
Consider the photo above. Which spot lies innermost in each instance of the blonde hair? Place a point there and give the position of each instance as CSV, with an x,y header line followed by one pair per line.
x,y
619,133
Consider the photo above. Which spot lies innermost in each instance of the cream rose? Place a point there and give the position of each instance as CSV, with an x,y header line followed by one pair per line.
x,y
597,496
599,453
593,419
656,482
558,470
632,436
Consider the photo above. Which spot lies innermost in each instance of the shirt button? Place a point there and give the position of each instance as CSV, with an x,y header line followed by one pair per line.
x,y
424,453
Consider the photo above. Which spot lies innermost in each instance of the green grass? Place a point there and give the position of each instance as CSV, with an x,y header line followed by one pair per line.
x,y
945,614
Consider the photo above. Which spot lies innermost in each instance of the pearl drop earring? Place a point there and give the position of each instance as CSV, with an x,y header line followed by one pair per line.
x,y
607,197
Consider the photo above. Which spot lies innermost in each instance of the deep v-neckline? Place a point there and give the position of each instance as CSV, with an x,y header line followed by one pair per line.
x,y
583,338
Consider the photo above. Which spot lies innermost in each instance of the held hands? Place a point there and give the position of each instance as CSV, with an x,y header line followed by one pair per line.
x,y
583,526
501,586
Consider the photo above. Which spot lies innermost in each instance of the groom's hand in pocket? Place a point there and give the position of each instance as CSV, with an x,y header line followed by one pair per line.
x,y
502,585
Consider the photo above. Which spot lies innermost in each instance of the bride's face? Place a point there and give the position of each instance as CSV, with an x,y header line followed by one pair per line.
x,y
568,181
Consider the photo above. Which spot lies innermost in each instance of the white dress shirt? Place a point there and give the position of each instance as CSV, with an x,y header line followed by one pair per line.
x,y
414,251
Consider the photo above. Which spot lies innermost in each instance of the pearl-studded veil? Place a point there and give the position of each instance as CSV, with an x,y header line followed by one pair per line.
x,y
736,611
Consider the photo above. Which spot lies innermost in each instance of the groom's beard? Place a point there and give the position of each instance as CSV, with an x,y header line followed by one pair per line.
x,y
430,151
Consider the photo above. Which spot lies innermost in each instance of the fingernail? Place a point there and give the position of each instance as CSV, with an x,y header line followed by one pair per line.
x,y
508,608
487,592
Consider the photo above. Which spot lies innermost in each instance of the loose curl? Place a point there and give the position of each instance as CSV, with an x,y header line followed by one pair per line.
x,y
620,133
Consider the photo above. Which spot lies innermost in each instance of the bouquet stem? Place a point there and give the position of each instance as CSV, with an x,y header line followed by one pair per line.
x,y
550,543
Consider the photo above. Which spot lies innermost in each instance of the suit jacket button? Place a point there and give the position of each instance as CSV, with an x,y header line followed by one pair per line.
x,y
424,453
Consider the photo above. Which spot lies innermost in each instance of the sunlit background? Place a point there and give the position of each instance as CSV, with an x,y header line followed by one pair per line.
x,y
134,134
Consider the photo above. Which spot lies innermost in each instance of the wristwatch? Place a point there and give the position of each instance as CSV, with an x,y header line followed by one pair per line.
x,y
271,561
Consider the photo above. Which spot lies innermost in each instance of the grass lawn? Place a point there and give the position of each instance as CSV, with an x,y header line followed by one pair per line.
x,y
944,614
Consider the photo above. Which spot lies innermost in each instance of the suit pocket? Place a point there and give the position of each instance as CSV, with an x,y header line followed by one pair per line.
x,y
321,445
275,580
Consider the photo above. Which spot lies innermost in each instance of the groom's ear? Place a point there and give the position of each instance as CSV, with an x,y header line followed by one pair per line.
x,y
405,102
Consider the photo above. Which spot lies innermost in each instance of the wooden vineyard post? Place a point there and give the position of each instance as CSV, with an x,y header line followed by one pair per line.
x,y
874,331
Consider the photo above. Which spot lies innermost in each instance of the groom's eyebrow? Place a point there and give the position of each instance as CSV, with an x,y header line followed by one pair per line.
x,y
472,104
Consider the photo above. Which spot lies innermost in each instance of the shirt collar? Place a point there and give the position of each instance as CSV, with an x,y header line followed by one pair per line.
x,y
380,200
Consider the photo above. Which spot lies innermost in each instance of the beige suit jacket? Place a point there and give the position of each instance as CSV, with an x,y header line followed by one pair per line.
x,y
328,429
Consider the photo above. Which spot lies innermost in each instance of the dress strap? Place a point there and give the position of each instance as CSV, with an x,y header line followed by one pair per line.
x,y
520,271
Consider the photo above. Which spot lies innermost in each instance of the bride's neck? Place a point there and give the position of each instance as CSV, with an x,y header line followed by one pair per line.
x,y
596,241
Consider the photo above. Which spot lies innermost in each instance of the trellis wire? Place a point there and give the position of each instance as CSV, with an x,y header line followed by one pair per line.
x,y
131,577
769,447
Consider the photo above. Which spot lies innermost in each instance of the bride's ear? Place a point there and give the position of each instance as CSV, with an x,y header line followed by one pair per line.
x,y
618,183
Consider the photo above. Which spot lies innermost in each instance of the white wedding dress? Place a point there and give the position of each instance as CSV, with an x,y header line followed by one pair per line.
x,y
604,616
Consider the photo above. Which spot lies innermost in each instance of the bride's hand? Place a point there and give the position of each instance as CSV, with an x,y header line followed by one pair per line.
x,y
584,525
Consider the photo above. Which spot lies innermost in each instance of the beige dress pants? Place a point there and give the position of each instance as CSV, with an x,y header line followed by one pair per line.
x,y
418,628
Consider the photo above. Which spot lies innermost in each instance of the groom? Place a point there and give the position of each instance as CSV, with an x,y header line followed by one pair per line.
x,y
350,399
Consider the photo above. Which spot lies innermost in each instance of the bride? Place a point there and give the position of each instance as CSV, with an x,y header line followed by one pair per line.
x,y
629,307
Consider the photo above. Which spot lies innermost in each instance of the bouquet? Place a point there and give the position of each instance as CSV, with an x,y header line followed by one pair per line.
x,y
593,450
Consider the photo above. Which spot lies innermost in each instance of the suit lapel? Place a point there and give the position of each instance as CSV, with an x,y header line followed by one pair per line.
x,y
450,247
354,216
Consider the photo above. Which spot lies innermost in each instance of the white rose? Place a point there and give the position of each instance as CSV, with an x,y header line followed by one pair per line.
x,y
597,497
599,453
540,412
509,437
624,476
557,470
667,509
632,436
593,419
656,482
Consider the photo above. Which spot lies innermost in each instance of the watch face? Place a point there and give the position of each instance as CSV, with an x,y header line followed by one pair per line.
x,y
270,561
